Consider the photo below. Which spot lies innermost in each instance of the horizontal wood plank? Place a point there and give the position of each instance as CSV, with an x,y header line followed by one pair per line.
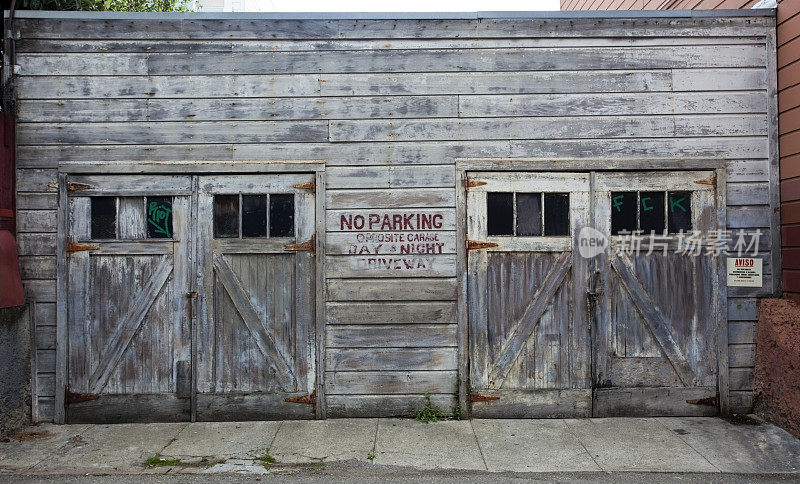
x,y
652,402
247,28
435,289
240,109
742,332
348,313
390,198
33,45
408,266
741,355
635,150
389,382
383,243
574,403
742,309
549,127
39,221
385,405
388,359
381,220
391,336
429,176
36,244
356,61
171,132
606,104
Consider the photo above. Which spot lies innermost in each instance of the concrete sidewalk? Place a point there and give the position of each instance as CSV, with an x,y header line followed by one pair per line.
x,y
587,445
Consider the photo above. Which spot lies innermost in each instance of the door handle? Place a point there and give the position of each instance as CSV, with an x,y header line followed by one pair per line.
x,y
594,290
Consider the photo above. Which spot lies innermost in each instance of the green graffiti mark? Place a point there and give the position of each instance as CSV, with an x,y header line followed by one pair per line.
x,y
158,215
676,202
646,207
617,202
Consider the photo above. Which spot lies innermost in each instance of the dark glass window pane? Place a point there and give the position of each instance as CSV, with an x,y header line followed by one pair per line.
x,y
226,216
651,215
556,214
104,217
254,215
500,213
529,214
679,211
159,217
281,215
623,212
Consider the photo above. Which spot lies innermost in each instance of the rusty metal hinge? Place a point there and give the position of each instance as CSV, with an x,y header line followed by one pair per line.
x,y
309,245
477,397
710,401
476,244
309,399
74,187
78,247
74,397
312,185
473,183
708,181
71,186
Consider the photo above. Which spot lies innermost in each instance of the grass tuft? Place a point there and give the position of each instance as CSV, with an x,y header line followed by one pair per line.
x,y
266,460
157,461
430,412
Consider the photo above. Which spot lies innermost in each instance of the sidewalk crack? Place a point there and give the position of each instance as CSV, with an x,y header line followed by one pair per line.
x,y
585,449
478,443
375,438
275,435
174,437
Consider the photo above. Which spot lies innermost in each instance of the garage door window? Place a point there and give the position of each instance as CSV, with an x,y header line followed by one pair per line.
x,y
254,216
527,214
655,211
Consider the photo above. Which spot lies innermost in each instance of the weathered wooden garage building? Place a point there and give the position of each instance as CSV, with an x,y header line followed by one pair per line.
x,y
250,216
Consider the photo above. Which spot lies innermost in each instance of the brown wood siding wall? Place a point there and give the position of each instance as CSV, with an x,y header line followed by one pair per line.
x,y
389,105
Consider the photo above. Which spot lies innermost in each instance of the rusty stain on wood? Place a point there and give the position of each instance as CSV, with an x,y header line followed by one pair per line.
x,y
308,399
476,244
73,186
468,183
311,186
78,247
309,245
75,397
710,401
711,181
477,397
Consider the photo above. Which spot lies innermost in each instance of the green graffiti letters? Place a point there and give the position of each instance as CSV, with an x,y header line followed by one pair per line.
x,y
158,215
676,202
617,201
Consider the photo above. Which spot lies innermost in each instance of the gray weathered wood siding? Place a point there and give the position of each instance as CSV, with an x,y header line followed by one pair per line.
x,y
389,105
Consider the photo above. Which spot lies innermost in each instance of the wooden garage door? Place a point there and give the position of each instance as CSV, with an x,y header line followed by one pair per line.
x,y
255,330
528,312
128,354
658,307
